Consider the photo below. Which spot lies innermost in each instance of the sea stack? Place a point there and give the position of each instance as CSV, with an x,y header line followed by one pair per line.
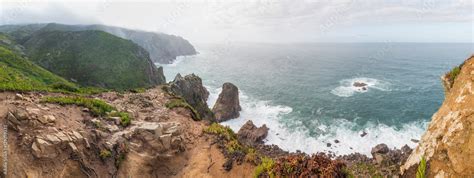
x,y
227,105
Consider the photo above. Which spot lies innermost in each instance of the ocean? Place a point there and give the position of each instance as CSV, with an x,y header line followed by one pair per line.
x,y
304,92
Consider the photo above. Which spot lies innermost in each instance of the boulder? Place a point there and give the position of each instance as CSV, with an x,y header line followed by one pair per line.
x,y
379,153
46,119
190,88
13,122
227,105
251,134
359,84
43,149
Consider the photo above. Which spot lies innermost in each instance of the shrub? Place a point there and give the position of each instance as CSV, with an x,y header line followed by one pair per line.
x,y
421,172
124,118
266,166
105,154
222,131
97,107
179,102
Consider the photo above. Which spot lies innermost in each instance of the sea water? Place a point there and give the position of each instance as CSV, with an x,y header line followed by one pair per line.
x,y
305,94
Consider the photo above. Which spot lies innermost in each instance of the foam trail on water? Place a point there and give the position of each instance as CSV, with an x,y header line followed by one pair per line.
x,y
347,88
263,112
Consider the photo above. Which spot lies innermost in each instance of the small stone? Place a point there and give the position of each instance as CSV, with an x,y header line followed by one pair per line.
x,y
21,114
166,140
63,137
328,144
77,135
73,147
47,119
18,96
112,128
53,139
116,120
415,140
174,130
85,109
363,134
336,141
87,143
32,111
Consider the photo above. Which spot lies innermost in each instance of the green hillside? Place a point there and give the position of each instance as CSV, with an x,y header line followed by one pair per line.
x,y
17,73
94,58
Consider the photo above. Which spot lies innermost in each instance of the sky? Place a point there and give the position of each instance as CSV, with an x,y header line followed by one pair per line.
x,y
264,21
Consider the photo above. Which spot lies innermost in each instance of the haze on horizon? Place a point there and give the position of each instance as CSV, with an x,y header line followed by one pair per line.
x,y
268,21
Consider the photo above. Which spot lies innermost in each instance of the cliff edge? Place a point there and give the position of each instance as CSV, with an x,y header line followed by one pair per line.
x,y
448,144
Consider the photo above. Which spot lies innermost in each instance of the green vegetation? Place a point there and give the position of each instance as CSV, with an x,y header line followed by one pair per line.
x,y
105,154
221,131
421,172
19,74
93,58
451,75
179,102
125,118
97,107
266,166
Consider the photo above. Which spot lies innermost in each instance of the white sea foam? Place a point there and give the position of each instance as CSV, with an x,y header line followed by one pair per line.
x,y
262,112
347,88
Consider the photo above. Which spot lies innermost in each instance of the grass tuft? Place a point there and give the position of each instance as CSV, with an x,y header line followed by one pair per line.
x,y
421,172
97,107
266,166
105,154
179,102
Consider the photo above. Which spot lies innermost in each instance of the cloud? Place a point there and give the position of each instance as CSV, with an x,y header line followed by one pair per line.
x,y
252,20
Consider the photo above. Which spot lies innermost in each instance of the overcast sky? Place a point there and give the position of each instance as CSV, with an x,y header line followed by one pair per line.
x,y
265,20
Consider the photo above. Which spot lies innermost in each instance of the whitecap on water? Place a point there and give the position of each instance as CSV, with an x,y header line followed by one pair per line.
x,y
347,88
263,112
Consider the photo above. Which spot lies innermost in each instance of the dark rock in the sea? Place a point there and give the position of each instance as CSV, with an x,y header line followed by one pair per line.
x,y
251,134
363,134
415,140
380,148
378,152
328,144
336,141
227,105
364,88
359,84
406,149
191,89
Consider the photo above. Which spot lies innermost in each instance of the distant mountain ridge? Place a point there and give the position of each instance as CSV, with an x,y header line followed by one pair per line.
x,y
163,48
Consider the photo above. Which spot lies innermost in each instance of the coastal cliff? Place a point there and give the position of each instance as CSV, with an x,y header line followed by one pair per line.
x,y
448,143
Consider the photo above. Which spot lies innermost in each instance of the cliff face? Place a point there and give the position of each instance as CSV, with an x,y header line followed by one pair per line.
x,y
448,144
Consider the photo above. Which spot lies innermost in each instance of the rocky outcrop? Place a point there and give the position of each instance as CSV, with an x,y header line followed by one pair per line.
x,y
190,88
252,135
448,143
227,105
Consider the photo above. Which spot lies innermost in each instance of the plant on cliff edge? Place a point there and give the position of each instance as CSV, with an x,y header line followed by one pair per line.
x,y
421,172
179,102
265,166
